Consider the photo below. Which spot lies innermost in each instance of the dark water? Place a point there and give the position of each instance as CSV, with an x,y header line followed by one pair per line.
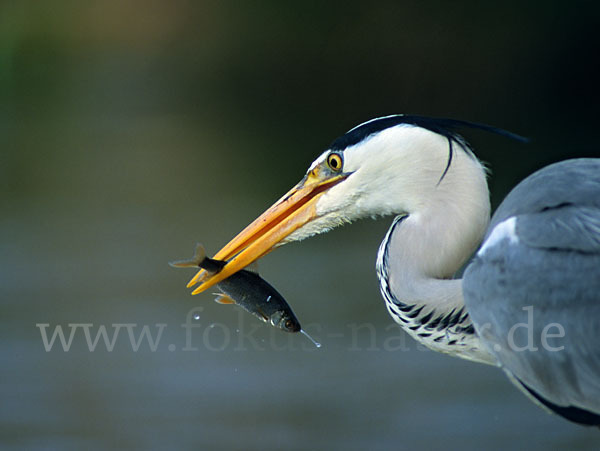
x,y
233,383
130,131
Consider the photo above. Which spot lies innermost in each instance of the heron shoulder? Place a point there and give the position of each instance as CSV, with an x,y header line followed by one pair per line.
x,y
574,182
533,290
556,208
537,310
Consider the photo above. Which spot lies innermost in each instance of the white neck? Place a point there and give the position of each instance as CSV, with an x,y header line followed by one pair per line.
x,y
398,171
428,247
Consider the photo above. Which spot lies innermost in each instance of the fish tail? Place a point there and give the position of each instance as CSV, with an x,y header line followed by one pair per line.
x,y
195,262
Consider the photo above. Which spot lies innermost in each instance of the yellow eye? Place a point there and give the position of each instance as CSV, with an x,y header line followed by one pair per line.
x,y
334,161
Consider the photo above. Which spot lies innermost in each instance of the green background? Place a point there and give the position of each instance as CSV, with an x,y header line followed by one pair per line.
x,y
129,130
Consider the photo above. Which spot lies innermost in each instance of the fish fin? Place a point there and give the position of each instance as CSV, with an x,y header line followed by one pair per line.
x,y
252,267
224,299
265,318
199,255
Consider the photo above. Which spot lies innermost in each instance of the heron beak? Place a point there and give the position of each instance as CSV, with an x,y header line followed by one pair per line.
x,y
288,214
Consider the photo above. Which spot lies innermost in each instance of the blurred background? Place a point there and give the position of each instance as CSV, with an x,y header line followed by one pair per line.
x,y
130,130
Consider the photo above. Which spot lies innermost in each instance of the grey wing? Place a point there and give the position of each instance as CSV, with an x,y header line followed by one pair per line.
x,y
533,290
575,182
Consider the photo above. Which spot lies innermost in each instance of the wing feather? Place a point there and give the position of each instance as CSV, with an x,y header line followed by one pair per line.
x,y
534,297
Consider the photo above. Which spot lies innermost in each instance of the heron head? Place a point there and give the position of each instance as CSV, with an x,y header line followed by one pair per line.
x,y
382,167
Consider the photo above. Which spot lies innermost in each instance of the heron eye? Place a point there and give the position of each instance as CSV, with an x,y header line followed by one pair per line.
x,y
334,161
288,324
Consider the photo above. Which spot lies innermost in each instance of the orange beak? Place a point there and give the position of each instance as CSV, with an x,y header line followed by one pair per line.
x,y
287,215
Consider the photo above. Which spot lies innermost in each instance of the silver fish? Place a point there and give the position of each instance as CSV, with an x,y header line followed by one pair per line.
x,y
248,290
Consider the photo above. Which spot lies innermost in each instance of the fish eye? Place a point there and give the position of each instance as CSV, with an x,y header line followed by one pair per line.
x,y
335,162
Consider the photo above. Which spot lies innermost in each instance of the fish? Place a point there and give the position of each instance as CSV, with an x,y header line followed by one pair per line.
x,y
248,290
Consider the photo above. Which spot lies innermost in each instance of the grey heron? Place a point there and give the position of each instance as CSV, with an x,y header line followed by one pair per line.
x,y
529,300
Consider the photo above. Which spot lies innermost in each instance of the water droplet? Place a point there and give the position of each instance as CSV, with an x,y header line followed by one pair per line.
x,y
316,343
196,316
